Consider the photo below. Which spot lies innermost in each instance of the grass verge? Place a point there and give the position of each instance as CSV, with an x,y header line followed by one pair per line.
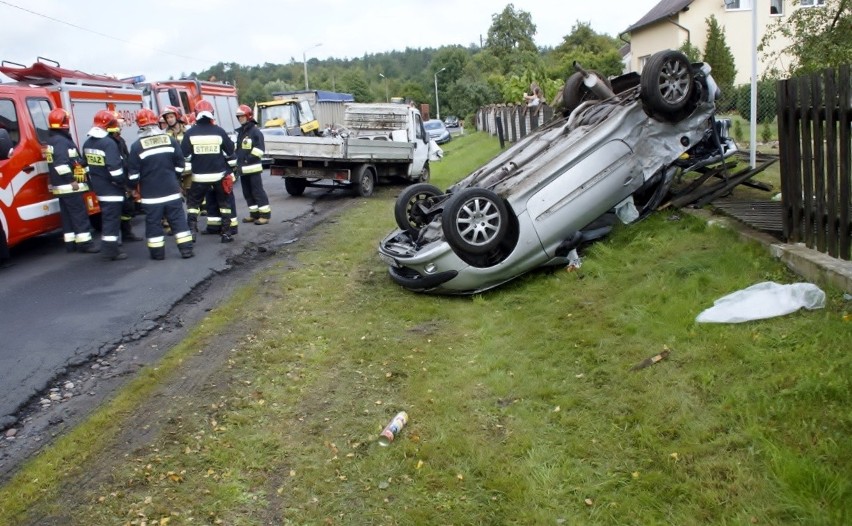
x,y
523,405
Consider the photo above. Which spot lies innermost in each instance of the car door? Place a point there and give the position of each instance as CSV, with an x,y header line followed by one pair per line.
x,y
421,141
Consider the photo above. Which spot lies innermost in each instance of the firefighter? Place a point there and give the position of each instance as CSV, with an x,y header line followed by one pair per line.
x,y
128,206
249,152
211,153
68,182
106,173
155,161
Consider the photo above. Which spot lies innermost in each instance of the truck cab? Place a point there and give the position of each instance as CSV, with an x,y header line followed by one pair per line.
x,y
27,206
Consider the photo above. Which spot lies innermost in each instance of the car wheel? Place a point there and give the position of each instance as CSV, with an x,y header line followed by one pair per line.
x,y
295,186
364,181
667,87
412,204
475,221
575,92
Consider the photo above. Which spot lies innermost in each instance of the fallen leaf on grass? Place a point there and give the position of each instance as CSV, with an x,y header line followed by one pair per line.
x,y
419,464
589,502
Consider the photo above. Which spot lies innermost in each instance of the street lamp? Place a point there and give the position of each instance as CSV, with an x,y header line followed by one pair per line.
x,y
387,98
437,104
305,63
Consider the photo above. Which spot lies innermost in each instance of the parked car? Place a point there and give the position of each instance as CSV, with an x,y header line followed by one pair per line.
x,y
437,131
451,122
564,185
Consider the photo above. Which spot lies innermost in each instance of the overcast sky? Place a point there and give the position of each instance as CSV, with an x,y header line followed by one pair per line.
x,y
162,39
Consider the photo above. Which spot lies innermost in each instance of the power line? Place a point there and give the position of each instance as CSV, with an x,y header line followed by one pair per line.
x,y
103,34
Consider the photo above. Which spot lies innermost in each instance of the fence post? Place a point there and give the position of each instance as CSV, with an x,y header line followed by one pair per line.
x,y
499,122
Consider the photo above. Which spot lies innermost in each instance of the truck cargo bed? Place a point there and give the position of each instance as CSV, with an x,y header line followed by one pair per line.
x,y
376,149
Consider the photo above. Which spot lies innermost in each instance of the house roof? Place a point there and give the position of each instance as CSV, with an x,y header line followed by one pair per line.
x,y
662,10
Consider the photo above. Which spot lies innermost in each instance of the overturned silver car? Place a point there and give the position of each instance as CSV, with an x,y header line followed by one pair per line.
x,y
612,155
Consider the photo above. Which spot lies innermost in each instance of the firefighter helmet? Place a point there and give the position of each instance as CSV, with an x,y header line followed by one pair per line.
x,y
244,111
146,117
106,120
174,110
59,119
204,108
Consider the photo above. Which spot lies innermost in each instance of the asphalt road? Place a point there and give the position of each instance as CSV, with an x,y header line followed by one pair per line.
x,y
62,310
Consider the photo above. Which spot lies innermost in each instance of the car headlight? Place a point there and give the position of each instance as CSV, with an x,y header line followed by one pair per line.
x,y
430,268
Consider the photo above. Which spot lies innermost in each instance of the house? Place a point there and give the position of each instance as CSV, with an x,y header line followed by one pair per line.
x,y
671,23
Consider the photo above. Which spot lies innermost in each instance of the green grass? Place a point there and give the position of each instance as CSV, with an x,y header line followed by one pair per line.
x,y
523,406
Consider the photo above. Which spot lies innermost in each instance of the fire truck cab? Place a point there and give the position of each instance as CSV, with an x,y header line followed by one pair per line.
x,y
27,206
186,93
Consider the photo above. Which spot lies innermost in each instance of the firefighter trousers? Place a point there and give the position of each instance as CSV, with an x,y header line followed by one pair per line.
x,y
155,235
256,198
75,221
195,196
110,225
215,219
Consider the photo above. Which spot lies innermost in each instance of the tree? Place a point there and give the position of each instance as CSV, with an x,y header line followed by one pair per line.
x,y
453,60
354,82
590,49
719,56
691,51
511,32
818,38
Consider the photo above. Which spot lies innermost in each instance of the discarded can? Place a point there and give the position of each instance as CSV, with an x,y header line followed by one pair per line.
x,y
392,429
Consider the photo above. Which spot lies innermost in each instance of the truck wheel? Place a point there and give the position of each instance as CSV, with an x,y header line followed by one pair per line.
x,y
425,174
412,206
364,181
295,186
667,86
475,221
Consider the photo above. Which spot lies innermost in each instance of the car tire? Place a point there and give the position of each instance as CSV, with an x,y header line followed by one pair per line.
x,y
575,92
408,209
364,182
475,221
667,86
295,186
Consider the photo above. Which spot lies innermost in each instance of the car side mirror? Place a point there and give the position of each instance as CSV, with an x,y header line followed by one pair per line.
x,y
5,145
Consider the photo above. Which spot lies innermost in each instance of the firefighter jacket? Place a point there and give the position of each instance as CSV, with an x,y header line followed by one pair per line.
x,y
209,150
178,132
155,161
249,148
122,149
65,164
106,167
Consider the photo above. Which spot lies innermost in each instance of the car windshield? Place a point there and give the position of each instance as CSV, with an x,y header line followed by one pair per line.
x,y
433,125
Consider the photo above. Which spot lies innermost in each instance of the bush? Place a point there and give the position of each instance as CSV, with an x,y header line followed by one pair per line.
x,y
766,103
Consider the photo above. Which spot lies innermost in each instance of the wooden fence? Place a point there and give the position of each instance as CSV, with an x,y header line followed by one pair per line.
x,y
814,118
511,122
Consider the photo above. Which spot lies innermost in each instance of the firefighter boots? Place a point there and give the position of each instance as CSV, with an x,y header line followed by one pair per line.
x,y
111,252
253,217
127,232
185,252
88,247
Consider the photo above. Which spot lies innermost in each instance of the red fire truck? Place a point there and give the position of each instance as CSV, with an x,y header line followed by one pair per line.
x,y
27,207
186,93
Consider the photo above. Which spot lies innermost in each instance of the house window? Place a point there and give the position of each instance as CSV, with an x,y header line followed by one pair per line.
x,y
811,3
733,5
776,7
